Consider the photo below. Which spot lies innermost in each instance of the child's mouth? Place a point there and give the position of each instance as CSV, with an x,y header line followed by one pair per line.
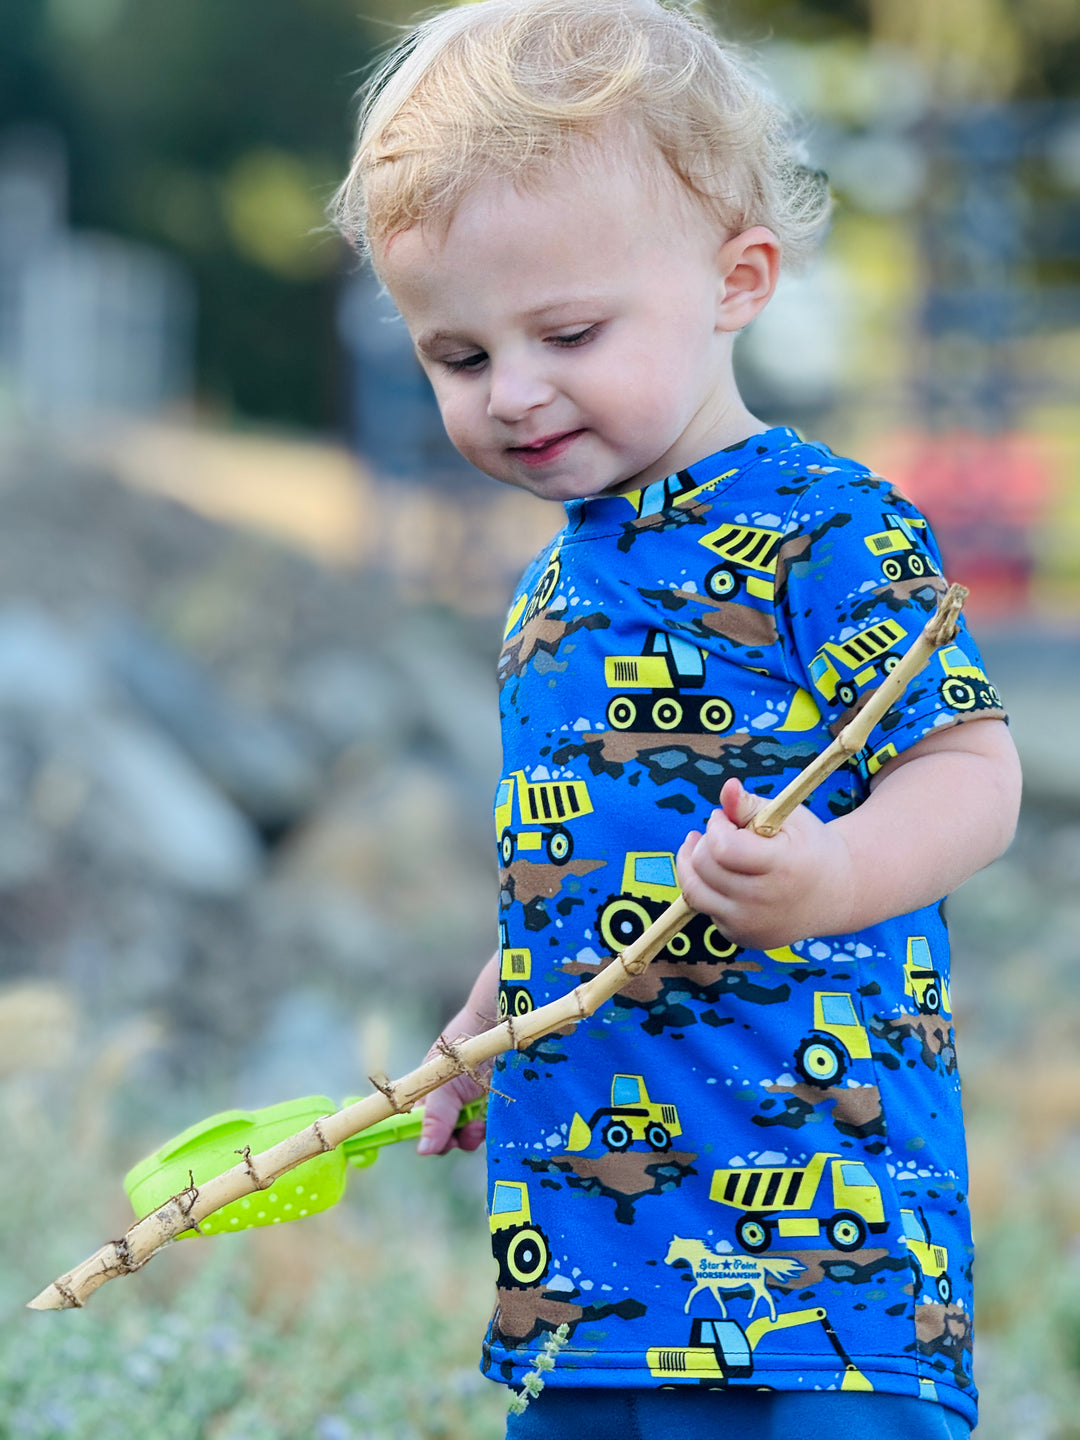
x,y
540,452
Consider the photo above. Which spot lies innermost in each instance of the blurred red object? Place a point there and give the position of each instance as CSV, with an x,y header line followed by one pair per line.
x,y
984,495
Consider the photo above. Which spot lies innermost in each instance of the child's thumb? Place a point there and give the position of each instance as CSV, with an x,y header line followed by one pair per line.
x,y
738,804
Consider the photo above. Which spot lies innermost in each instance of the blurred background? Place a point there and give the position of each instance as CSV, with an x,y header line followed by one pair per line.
x,y
250,602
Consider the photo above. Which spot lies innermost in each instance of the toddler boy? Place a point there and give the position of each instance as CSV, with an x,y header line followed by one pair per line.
x,y
741,1184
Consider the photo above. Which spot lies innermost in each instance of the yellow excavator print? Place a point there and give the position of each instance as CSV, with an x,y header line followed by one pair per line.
x,y
551,804
776,1201
515,970
965,685
520,1247
721,1350
927,1259
666,664
630,1116
904,556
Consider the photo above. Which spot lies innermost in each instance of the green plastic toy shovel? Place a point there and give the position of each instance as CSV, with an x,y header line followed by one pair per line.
x,y
212,1146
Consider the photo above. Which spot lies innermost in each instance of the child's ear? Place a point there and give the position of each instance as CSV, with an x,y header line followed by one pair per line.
x,y
748,267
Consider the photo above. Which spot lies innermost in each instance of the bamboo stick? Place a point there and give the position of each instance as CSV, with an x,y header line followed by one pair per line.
x,y
456,1057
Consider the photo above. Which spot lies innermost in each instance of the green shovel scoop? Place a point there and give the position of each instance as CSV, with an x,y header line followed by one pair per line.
x,y
210,1147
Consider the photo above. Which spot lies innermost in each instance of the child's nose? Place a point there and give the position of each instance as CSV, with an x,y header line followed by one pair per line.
x,y
515,390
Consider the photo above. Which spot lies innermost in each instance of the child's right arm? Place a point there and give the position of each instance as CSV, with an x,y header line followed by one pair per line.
x,y
442,1107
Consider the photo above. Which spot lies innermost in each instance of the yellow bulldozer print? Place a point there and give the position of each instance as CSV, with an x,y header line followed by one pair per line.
x,y
822,1058
630,1116
922,981
779,1202
520,1247
649,885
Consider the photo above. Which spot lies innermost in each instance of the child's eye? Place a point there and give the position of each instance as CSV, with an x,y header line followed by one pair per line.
x,y
578,337
466,362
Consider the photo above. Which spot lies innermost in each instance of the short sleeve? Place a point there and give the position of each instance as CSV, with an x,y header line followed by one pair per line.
x,y
859,574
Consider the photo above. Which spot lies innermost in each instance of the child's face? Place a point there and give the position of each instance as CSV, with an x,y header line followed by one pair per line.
x,y
578,337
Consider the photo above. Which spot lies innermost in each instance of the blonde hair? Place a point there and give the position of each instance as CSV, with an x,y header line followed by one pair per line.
x,y
504,88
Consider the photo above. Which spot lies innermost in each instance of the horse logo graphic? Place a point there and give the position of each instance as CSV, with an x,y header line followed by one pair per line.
x,y
716,1271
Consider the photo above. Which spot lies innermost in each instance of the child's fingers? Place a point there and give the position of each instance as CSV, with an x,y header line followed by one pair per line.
x,y
441,1110
738,804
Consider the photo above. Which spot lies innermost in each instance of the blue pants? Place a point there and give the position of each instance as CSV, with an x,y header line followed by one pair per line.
x,y
595,1414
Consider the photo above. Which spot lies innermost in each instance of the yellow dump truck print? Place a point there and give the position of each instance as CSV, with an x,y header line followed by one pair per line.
x,y
748,556
721,1350
842,671
666,665
928,1260
795,1202
822,1058
630,1116
649,885
549,804
515,970
900,550
520,1247
922,981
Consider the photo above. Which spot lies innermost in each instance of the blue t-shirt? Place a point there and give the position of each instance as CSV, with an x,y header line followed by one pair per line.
x,y
748,1168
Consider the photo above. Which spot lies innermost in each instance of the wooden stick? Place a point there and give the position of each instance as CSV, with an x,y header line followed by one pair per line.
x,y
458,1057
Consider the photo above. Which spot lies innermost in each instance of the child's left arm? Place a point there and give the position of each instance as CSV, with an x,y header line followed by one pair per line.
x,y
936,813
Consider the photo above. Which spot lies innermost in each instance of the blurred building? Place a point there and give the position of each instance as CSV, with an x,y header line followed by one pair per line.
x,y
91,324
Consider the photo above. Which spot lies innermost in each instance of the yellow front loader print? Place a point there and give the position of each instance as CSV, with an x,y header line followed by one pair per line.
x,y
904,557
748,556
822,1058
515,970
776,1202
520,1247
721,1350
649,885
965,686
841,672
666,664
630,1116
927,1259
550,804
922,982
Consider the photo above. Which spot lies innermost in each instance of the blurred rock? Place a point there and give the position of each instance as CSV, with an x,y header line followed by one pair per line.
x,y
252,758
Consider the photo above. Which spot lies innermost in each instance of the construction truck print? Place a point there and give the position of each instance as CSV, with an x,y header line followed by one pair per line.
x,y
631,1116
965,687
721,1350
928,1261
529,605
674,490
900,550
515,971
823,1057
747,555
550,805
666,665
520,1247
649,885
843,671
789,1202
925,985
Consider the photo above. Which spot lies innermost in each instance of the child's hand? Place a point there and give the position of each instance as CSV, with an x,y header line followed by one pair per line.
x,y
441,1110
767,892
442,1107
